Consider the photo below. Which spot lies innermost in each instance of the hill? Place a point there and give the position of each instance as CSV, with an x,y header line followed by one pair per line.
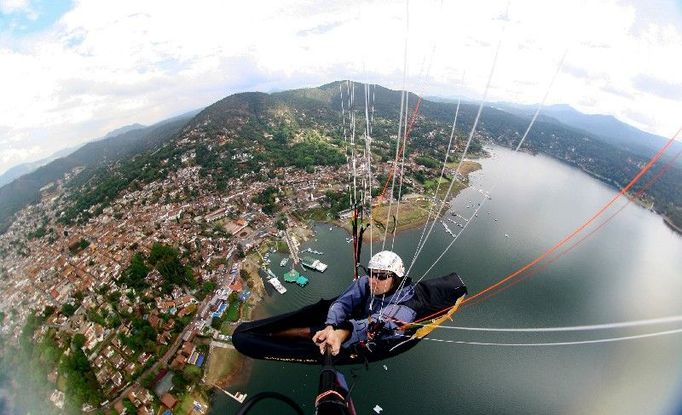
x,y
253,134
26,189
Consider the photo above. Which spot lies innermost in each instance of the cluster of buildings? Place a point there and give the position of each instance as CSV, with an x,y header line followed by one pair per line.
x,y
80,264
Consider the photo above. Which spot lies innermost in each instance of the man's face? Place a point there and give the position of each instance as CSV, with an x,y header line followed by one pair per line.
x,y
380,282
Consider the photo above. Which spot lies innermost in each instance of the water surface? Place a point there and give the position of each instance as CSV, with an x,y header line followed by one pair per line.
x,y
630,270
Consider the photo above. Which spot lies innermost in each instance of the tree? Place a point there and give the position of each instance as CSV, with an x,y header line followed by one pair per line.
x,y
282,223
128,405
68,309
207,288
192,374
179,382
134,276
166,260
78,341
47,311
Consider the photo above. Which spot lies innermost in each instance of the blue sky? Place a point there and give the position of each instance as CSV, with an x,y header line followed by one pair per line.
x,y
22,18
72,71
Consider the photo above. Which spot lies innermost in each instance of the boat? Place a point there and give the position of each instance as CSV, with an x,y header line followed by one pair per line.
x,y
278,285
312,251
284,262
447,229
314,264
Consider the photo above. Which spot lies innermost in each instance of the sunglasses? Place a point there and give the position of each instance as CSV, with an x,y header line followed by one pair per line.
x,y
380,275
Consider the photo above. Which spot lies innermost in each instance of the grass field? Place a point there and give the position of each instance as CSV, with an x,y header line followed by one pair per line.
x,y
233,311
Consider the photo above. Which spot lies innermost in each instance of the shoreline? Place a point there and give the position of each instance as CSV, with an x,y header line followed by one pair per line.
x,y
241,370
412,203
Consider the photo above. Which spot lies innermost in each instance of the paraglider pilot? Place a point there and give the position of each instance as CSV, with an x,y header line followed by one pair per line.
x,y
369,322
382,295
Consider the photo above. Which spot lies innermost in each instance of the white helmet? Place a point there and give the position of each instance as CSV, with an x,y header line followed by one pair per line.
x,y
387,261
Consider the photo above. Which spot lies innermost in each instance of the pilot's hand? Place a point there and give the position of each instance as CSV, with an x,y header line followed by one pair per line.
x,y
329,337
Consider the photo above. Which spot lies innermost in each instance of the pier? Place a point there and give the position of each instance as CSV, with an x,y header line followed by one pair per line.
x,y
237,396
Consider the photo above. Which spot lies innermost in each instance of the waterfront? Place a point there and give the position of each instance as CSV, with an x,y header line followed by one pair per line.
x,y
628,271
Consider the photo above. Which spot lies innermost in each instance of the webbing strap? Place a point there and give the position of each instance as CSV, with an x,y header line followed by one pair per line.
x,y
327,393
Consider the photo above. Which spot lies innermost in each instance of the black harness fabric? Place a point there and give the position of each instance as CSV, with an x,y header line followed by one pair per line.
x,y
438,294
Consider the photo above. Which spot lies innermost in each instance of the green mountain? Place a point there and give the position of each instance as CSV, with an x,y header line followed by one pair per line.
x,y
253,133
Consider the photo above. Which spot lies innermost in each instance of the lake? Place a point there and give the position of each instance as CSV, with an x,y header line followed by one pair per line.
x,y
629,270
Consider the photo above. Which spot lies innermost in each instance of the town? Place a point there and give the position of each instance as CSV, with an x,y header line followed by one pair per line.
x,y
136,301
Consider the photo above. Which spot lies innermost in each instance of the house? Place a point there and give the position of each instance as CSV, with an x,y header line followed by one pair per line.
x,y
169,324
144,358
168,400
163,338
187,349
119,408
117,379
154,321
179,362
130,368
117,361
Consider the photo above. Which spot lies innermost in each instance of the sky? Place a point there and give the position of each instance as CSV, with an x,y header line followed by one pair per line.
x,y
71,71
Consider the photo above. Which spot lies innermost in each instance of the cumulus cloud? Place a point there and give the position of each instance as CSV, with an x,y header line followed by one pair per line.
x,y
102,65
12,6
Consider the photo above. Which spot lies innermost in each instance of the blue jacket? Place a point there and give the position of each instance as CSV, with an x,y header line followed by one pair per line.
x,y
358,307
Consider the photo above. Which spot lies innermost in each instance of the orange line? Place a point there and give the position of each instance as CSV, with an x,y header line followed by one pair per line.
x,y
581,227
658,175
622,192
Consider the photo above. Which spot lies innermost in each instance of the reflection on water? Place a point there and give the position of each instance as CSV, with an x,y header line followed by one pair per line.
x,y
629,270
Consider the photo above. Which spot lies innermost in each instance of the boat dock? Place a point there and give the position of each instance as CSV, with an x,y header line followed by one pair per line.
x,y
237,396
294,277
447,229
293,246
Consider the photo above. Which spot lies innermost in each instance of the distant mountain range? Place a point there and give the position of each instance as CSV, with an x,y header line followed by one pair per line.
x,y
249,132
605,127
25,168
117,145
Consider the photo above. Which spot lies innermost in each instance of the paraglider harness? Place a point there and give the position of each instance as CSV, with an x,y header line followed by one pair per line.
x,y
333,396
